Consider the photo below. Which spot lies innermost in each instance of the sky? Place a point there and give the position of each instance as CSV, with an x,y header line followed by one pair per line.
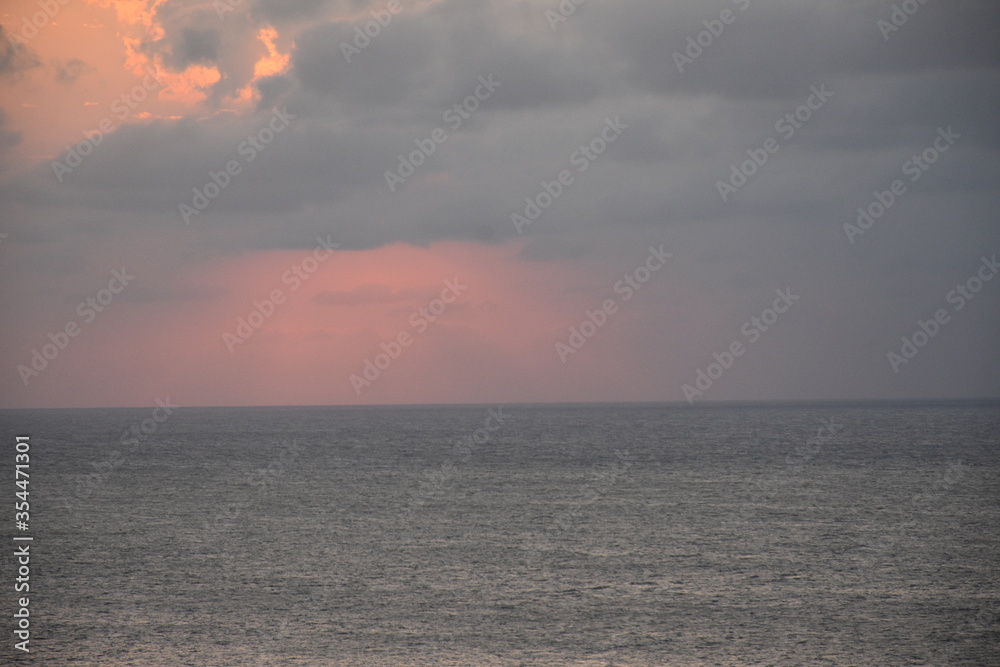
x,y
326,202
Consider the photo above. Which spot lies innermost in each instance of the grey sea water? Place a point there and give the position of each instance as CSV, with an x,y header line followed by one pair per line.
x,y
804,534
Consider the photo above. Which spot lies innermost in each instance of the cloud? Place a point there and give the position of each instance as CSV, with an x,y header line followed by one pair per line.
x,y
363,295
272,90
195,46
15,58
354,121
278,12
429,57
201,57
68,71
8,138
776,48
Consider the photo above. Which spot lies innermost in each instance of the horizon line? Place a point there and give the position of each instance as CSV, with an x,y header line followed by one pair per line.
x,y
676,403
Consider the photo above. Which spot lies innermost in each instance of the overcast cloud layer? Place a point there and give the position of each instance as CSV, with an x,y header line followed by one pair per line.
x,y
874,85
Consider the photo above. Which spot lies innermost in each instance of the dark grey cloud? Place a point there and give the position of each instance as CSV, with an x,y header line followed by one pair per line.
x,y
777,48
8,138
685,130
427,59
356,118
15,58
280,12
272,90
68,71
194,46
361,296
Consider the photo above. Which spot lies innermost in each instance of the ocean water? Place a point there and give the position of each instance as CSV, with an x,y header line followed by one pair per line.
x,y
626,535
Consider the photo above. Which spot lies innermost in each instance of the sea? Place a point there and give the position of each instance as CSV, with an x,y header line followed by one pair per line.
x,y
839,533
